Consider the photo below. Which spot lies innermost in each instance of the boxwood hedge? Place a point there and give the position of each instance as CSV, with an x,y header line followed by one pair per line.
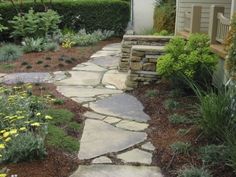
x,y
77,14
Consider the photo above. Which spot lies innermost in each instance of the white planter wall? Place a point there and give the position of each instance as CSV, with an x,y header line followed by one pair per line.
x,y
143,11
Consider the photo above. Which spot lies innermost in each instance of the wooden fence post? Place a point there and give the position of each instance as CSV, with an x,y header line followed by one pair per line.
x,y
213,23
196,19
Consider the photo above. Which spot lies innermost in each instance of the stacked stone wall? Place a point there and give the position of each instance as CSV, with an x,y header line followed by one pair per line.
x,y
142,65
132,40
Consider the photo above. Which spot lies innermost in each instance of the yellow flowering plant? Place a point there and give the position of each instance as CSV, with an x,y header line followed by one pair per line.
x,y
21,113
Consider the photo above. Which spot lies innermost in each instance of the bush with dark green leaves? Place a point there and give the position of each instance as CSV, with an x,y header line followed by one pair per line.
x,y
91,15
35,24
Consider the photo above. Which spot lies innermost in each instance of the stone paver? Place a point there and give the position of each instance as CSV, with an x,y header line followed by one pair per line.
x,y
82,78
104,53
60,75
136,156
36,77
93,115
73,91
106,62
100,160
117,171
116,78
100,138
131,125
83,99
121,105
89,67
113,47
148,146
112,120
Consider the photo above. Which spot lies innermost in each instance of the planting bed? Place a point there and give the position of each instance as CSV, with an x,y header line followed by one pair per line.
x,y
163,133
57,162
60,60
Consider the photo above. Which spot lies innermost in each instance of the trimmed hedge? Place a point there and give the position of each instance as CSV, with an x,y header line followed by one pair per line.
x,y
76,14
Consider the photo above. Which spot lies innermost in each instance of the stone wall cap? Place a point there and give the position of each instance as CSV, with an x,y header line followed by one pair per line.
x,y
146,37
148,48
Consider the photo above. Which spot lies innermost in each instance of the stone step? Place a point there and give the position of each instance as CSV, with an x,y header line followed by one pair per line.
x,y
117,171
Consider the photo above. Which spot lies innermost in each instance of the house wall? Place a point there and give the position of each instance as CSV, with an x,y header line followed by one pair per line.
x,y
143,11
186,5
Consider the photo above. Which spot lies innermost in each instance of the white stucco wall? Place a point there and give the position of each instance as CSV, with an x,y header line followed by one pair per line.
x,y
143,11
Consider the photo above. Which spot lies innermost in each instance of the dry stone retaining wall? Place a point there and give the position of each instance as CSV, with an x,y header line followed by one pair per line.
x,y
142,65
131,40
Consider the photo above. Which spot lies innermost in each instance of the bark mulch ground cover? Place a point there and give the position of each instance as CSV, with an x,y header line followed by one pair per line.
x,y
60,60
162,133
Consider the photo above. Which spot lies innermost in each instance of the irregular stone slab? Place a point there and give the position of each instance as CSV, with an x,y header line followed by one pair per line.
x,y
89,67
100,138
104,53
117,171
82,78
111,120
75,91
83,99
60,75
116,78
148,146
37,77
93,115
115,46
102,159
122,105
131,125
107,61
136,156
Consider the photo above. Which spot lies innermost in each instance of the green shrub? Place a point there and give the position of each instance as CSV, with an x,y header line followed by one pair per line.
x,y
164,17
35,24
60,116
162,33
179,119
82,38
194,172
33,45
192,59
79,14
2,27
51,46
59,139
10,52
212,154
181,147
59,101
38,45
74,126
24,147
171,104
231,47
151,93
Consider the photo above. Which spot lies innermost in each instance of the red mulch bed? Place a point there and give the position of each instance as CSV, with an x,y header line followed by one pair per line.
x,y
162,133
60,60
57,163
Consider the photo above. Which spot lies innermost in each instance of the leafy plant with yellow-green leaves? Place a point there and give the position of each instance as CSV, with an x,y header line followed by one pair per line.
x,y
190,59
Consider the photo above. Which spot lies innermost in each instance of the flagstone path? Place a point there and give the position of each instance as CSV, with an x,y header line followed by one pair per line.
x,y
114,142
